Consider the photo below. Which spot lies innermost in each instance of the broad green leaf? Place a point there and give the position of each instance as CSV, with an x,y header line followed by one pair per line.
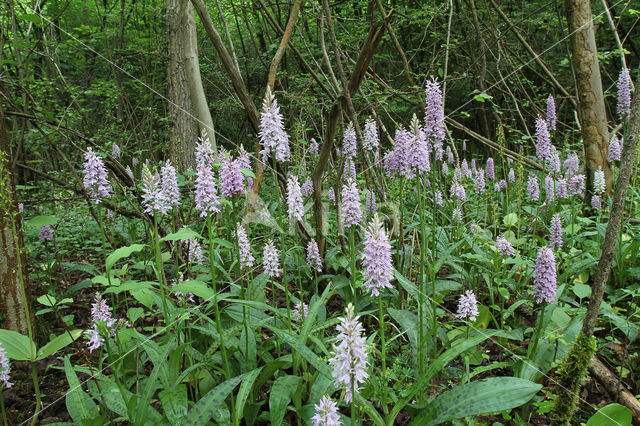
x,y
198,288
483,396
39,221
436,366
409,323
408,286
46,300
581,290
144,296
280,396
510,220
134,314
121,253
243,393
79,405
181,234
248,346
17,346
206,407
58,343
174,403
615,414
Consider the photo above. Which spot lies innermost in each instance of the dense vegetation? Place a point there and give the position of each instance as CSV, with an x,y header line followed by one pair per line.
x,y
389,213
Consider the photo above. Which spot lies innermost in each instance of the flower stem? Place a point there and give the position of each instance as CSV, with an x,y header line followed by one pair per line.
x,y
352,248
2,410
223,348
36,387
383,355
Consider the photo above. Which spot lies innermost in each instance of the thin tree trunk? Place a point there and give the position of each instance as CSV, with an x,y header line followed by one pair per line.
x,y
12,258
575,363
593,116
196,91
183,131
360,68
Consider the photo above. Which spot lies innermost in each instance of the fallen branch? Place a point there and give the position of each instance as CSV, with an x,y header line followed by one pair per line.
x,y
615,387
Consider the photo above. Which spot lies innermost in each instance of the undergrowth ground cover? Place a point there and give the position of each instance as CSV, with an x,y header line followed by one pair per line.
x,y
450,290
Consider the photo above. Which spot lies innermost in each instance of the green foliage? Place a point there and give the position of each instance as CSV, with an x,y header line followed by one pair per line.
x,y
486,396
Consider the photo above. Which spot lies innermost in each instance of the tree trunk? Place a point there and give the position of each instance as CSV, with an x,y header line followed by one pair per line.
x,y
183,131
593,117
12,258
198,98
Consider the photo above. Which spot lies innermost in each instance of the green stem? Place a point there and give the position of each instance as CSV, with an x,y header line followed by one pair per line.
x,y
422,282
352,248
383,355
159,269
2,410
223,348
536,334
433,257
36,387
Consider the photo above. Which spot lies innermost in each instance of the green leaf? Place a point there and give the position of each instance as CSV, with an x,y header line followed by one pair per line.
x,y
46,300
243,393
366,406
196,287
581,290
510,220
181,234
31,17
121,253
17,346
159,366
611,414
174,403
280,396
205,408
58,343
436,366
409,287
144,296
134,314
79,405
484,396
39,221
409,323
248,172
302,350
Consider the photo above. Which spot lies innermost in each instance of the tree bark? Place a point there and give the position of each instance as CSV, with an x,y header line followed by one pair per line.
x,y
593,116
183,131
12,257
196,91
616,388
